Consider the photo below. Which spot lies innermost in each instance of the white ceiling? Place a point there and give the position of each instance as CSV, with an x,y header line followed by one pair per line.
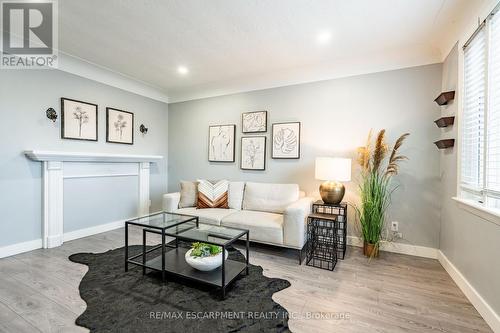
x,y
238,45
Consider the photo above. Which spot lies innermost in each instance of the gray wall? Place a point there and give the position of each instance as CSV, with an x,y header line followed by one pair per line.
x,y
115,198
24,97
336,116
472,244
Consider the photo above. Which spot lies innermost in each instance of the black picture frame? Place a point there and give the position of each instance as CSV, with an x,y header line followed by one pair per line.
x,y
243,122
272,141
107,126
63,119
264,154
233,145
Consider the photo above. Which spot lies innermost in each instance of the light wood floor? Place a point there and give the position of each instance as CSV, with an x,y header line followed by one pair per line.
x,y
395,293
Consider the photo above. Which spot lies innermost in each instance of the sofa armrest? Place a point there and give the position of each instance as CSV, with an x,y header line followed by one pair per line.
x,y
171,201
294,222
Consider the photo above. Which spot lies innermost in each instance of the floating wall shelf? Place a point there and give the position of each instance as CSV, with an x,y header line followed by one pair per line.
x,y
445,121
445,97
445,143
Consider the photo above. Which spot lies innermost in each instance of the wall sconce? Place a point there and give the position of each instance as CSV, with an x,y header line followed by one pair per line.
x,y
51,114
143,129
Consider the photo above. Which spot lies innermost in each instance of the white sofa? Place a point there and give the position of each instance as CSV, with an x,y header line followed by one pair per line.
x,y
275,214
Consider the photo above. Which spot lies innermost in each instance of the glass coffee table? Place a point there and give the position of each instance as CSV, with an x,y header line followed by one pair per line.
x,y
187,228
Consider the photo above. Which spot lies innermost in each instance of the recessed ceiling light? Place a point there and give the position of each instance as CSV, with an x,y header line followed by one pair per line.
x,y
323,37
182,70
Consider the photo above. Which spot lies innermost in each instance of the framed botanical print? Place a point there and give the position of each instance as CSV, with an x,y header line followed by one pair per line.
x,y
254,122
221,144
253,153
119,126
286,140
78,120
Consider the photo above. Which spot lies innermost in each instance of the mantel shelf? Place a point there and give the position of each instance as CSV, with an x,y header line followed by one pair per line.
x,y
43,156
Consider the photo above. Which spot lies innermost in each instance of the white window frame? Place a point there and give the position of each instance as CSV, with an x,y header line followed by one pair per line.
x,y
474,207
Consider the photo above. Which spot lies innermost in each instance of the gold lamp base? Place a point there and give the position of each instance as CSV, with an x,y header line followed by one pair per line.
x,y
332,192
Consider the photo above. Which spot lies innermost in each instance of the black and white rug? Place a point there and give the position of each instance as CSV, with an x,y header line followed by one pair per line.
x,y
119,301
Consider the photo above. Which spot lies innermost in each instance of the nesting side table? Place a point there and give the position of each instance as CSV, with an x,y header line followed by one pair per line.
x,y
326,235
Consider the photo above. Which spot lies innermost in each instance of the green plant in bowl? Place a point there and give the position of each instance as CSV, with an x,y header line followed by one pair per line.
x,y
204,250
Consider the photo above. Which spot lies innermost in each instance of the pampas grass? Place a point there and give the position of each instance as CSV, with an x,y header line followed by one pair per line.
x,y
375,186
393,165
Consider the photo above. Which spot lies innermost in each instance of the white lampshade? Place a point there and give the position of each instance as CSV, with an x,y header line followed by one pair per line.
x,y
332,168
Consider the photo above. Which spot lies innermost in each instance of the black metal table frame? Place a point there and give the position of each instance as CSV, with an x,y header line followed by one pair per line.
x,y
338,223
163,232
312,243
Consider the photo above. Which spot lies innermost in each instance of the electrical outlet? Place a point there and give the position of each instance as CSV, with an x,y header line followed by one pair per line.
x,y
394,226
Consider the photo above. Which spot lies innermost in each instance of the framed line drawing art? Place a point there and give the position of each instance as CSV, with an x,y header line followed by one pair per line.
x,y
253,153
254,122
286,140
78,120
119,126
221,143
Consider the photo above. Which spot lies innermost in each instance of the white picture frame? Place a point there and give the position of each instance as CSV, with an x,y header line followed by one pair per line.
x,y
221,143
253,153
286,140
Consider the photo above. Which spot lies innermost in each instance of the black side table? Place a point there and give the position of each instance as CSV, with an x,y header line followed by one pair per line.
x,y
326,235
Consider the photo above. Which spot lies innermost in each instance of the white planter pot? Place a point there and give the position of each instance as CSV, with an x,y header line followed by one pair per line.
x,y
204,263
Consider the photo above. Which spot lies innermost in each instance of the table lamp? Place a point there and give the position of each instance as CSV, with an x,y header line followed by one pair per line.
x,y
333,171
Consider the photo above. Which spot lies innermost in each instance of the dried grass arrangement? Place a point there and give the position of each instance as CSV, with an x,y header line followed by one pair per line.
x,y
375,187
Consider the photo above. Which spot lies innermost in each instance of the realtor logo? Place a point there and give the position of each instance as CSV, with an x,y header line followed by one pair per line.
x,y
29,34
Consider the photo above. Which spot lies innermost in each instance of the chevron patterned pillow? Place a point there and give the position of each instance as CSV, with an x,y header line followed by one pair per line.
x,y
212,194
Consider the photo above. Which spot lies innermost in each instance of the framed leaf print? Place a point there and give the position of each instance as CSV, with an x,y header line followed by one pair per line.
x,y
119,126
286,140
78,120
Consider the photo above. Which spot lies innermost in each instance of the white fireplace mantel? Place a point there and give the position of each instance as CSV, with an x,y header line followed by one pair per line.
x,y
54,174
44,156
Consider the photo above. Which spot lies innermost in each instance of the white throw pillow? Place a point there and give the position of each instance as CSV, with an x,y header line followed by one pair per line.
x,y
235,195
189,194
273,198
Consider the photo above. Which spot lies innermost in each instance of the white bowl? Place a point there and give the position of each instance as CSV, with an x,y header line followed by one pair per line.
x,y
204,263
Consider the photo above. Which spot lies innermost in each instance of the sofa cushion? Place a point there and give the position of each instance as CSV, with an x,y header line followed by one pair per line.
x,y
273,198
212,194
264,227
235,194
208,215
189,194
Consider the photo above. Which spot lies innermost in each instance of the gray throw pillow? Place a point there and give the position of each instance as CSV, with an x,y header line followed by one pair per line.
x,y
189,194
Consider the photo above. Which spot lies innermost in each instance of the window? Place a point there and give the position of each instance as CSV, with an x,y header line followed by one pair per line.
x,y
480,145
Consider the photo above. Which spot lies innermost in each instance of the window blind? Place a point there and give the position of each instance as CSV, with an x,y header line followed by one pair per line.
x,y
493,146
473,120
480,153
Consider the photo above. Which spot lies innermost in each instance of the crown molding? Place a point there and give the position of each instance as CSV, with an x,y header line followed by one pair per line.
x,y
77,66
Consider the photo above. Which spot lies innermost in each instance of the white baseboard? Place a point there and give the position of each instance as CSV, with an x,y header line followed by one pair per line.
x,y
17,248
484,309
413,250
10,250
98,229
